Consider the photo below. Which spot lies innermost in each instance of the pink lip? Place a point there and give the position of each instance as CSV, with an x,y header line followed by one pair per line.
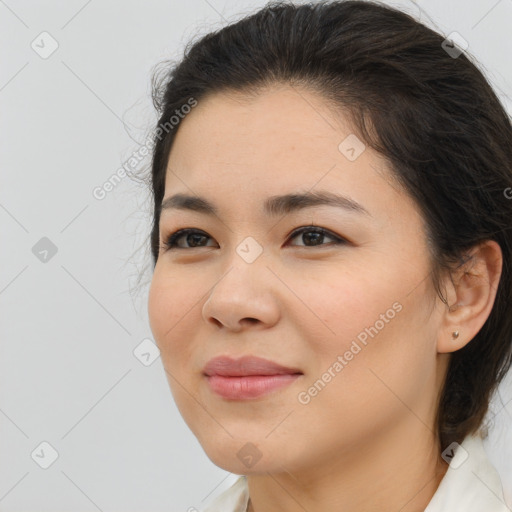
x,y
247,377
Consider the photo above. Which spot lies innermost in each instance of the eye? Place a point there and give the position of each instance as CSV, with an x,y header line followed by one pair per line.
x,y
193,237
196,238
315,236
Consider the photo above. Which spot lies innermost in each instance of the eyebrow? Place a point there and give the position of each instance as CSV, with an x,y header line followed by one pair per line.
x,y
273,206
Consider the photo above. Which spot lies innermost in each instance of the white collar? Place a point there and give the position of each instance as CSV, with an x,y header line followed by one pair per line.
x,y
471,484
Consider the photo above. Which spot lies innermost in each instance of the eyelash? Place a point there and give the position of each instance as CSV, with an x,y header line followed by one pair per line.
x,y
170,242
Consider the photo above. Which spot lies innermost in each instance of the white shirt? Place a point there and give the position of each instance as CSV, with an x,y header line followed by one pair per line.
x,y
471,484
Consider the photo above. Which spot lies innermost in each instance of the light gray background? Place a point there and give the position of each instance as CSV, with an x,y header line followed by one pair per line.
x,y
69,326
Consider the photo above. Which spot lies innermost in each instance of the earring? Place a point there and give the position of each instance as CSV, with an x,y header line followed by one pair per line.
x,y
455,334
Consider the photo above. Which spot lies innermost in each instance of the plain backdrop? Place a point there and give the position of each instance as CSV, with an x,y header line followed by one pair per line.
x,y
81,391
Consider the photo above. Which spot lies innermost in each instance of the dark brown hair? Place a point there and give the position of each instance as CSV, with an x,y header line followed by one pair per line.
x,y
432,115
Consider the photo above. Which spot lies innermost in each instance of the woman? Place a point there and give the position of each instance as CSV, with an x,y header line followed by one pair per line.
x,y
350,370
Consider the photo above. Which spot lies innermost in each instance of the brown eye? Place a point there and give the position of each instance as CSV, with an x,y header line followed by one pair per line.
x,y
193,237
313,236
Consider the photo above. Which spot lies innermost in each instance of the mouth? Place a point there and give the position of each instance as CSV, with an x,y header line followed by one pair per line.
x,y
248,377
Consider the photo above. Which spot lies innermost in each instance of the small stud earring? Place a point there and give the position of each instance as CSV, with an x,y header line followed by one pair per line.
x,y
455,334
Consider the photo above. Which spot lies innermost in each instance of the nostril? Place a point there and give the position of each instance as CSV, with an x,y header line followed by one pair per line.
x,y
250,320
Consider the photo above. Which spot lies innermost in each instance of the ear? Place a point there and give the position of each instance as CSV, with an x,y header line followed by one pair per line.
x,y
470,293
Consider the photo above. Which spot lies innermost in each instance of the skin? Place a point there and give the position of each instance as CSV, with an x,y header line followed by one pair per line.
x,y
366,441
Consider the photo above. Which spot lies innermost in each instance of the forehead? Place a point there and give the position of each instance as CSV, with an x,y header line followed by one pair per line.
x,y
277,141
280,132
271,126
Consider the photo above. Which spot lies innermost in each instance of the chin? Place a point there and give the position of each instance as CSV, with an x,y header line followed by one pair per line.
x,y
240,456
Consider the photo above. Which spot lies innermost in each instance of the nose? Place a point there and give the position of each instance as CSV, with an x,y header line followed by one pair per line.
x,y
245,296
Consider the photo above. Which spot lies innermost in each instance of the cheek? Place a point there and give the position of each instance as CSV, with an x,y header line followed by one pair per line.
x,y
171,318
345,304
370,318
382,340
170,306
159,309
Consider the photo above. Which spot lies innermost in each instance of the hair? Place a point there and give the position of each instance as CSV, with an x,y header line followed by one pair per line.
x,y
431,115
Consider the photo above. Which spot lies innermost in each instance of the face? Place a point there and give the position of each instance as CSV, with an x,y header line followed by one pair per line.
x,y
347,311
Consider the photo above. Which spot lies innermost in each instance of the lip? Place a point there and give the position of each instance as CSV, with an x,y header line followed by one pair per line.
x,y
245,366
247,377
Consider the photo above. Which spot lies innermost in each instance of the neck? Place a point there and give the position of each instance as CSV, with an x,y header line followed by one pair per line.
x,y
399,471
